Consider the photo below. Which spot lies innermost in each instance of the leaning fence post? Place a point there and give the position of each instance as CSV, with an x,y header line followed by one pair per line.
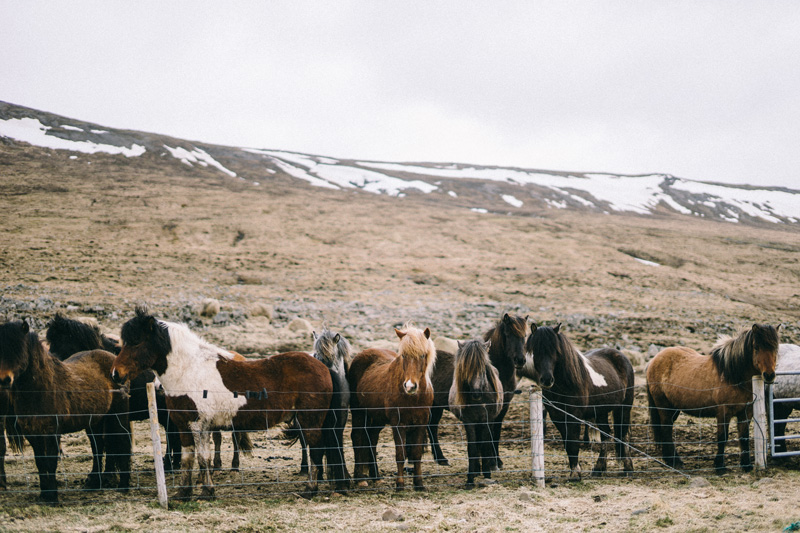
x,y
161,482
760,434
537,437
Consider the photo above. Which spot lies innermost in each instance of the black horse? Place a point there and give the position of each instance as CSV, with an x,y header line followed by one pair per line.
x,y
579,387
506,353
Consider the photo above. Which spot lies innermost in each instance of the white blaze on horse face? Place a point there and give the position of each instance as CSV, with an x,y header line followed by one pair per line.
x,y
410,387
597,378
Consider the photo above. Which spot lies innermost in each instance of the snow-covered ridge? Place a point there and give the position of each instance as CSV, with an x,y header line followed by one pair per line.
x,y
481,189
31,131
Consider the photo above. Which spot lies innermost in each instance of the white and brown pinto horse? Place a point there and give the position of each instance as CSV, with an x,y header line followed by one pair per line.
x,y
207,389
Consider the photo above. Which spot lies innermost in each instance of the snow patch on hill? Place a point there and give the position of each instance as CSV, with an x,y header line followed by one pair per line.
x,y
31,131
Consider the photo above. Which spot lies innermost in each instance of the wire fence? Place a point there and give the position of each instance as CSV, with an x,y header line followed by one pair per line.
x,y
273,466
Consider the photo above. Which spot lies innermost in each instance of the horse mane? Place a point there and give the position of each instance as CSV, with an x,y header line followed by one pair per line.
x,y
568,368
472,360
72,336
415,344
733,356
328,350
517,325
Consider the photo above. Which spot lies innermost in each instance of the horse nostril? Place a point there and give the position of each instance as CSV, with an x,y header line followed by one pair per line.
x,y
769,377
5,382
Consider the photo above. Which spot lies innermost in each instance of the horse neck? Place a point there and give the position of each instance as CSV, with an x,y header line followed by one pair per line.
x,y
728,356
498,356
43,369
570,369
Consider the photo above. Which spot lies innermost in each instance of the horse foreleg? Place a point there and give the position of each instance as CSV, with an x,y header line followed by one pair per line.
x,y
743,427
3,485
187,465
473,452
415,444
723,421
572,446
304,458
622,423
45,452
217,436
484,436
96,439
602,458
497,426
203,438
399,433
433,433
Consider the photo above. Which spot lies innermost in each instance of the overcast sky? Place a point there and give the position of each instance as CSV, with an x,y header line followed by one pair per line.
x,y
701,90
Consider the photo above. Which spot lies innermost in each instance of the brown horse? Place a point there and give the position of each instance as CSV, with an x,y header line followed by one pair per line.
x,y
392,389
206,389
51,397
681,380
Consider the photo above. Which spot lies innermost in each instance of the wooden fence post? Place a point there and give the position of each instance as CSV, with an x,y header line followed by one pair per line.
x,y
760,433
161,482
537,437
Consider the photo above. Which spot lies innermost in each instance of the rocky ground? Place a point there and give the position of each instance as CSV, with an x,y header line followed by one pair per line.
x,y
96,236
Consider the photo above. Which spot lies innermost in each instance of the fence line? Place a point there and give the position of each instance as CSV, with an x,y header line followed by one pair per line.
x,y
530,455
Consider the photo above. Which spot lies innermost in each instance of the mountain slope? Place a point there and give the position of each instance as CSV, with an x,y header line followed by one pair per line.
x,y
480,188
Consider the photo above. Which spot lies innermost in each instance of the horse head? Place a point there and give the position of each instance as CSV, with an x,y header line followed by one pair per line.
x,y
765,342
543,345
14,346
145,344
509,335
332,349
418,355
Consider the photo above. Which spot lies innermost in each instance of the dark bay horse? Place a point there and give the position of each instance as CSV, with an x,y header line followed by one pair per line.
x,y
52,397
717,386
206,389
394,389
507,353
7,425
580,387
476,398
67,336
334,351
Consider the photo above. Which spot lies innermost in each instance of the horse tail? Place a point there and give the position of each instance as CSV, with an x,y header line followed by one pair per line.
x,y
291,433
333,435
244,442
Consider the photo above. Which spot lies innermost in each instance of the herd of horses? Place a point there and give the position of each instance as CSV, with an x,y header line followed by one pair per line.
x,y
83,381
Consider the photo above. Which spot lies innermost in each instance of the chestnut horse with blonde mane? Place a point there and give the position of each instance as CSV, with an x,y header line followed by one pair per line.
x,y
717,386
394,389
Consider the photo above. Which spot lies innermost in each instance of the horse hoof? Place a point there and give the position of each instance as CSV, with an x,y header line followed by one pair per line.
x,y
183,495
420,488
487,482
400,487
469,485
303,472
597,473
443,462
720,471
362,485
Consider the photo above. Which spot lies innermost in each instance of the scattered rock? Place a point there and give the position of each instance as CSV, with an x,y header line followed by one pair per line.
x,y
392,515
764,481
223,317
640,511
210,307
262,309
300,325
652,350
697,482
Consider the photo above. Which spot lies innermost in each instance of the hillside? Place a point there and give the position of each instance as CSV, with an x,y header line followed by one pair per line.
x,y
97,220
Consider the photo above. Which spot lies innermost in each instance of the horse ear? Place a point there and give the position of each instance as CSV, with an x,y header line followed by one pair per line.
x,y
336,338
25,327
558,327
778,327
400,334
460,344
506,318
487,344
151,323
314,335
427,333
533,326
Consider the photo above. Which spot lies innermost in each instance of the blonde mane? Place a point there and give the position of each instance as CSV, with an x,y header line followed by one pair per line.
x,y
415,344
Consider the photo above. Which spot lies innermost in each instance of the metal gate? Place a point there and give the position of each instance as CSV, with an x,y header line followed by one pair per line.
x,y
771,401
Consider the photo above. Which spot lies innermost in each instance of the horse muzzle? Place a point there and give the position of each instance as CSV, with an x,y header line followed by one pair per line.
x,y
547,383
6,381
410,387
769,377
117,378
